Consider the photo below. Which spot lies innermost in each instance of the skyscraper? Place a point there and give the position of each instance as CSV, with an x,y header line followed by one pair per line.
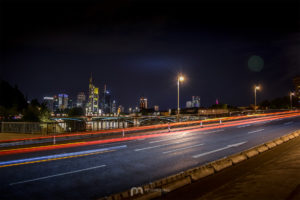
x,y
143,103
55,103
49,102
92,105
114,107
106,102
189,104
70,103
80,99
195,101
63,101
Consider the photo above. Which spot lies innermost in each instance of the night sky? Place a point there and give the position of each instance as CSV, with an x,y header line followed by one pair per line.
x,y
138,47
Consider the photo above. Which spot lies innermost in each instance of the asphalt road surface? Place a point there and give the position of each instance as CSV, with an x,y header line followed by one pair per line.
x,y
89,172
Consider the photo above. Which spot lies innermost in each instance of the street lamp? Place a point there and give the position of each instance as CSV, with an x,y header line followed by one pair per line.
x,y
255,88
291,99
179,79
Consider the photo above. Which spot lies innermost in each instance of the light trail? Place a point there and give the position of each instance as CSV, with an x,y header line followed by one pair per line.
x,y
149,127
78,144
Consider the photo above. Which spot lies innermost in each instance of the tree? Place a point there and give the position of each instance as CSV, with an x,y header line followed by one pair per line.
x,y
31,114
75,112
12,101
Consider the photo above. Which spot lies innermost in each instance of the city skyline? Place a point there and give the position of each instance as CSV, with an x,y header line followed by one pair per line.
x,y
142,52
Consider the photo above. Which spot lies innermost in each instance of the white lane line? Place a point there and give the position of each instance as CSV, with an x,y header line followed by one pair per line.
x,y
221,149
214,131
60,155
171,151
287,123
152,147
156,141
243,126
56,175
256,131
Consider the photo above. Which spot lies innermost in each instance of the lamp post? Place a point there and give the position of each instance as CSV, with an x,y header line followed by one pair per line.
x,y
291,99
179,79
255,88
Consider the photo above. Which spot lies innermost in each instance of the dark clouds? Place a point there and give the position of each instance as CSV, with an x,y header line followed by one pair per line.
x,y
138,47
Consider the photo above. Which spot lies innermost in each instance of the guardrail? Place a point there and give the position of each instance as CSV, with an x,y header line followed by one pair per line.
x,y
158,188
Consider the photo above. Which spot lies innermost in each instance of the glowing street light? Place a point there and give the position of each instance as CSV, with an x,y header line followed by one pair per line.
x,y
291,99
255,88
179,79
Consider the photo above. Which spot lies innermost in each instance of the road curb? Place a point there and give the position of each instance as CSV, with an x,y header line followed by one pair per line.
x,y
158,188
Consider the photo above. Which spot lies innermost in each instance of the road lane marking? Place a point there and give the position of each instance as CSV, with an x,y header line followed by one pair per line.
x,y
287,123
58,156
56,175
152,147
156,141
255,131
183,148
221,149
216,131
243,126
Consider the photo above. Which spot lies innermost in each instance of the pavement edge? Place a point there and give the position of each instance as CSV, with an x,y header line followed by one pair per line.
x,y
159,187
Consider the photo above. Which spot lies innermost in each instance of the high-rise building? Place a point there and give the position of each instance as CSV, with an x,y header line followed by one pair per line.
x,y
296,81
63,101
93,102
70,103
114,107
106,102
80,99
121,109
55,103
156,108
143,103
189,104
49,102
195,101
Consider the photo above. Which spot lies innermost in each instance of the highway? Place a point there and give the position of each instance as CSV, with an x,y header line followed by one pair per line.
x,y
99,169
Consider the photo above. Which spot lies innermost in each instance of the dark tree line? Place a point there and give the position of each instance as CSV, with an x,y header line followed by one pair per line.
x,y
13,103
279,103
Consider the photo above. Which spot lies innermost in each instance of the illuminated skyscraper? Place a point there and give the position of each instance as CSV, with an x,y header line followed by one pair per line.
x,y
106,102
114,106
63,101
195,101
143,103
49,102
80,99
92,105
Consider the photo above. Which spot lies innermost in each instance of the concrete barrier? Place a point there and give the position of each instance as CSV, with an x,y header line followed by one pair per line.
x,y
170,183
221,164
296,134
251,152
149,195
125,194
278,141
285,138
271,145
291,136
202,172
176,184
262,148
237,158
